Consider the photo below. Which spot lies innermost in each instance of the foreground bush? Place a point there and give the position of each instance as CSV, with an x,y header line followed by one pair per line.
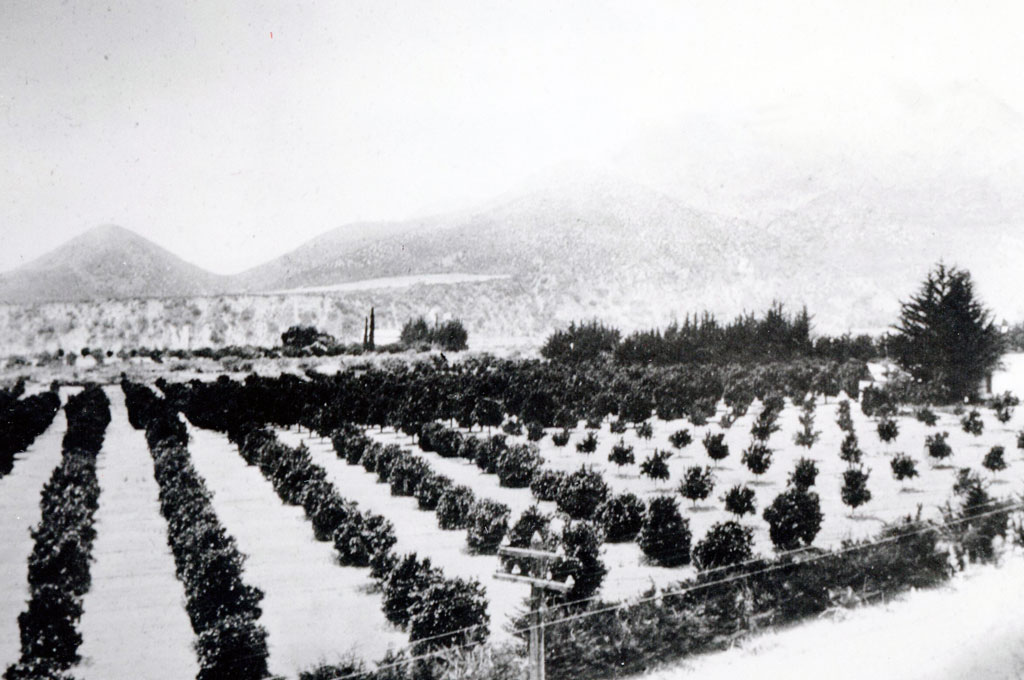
x,y
580,494
448,613
403,587
546,483
621,517
454,506
517,464
665,534
725,544
487,523
794,518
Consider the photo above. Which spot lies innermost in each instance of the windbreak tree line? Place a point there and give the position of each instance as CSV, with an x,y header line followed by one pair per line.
x,y
777,335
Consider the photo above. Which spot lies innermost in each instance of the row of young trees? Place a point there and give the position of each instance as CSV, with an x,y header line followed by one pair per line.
x,y
439,611
58,567
223,609
21,421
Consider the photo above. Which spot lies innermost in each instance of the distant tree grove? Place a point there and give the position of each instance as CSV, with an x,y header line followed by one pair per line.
x,y
777,335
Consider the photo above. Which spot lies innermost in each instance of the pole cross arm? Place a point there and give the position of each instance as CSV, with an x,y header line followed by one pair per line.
x,y
544,584
507,551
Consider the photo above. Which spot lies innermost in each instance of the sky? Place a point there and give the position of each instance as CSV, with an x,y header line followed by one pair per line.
x,y
231,132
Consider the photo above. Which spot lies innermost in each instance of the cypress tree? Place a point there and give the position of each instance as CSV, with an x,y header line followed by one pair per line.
x,y
372,343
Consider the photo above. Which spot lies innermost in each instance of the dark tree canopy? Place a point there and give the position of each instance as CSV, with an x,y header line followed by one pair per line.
x,y
945,336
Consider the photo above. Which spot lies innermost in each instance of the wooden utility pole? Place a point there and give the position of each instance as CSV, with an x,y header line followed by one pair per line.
x,y
540,582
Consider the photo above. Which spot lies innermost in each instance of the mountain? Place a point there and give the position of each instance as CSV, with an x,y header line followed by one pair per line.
x,y
107,262
575,248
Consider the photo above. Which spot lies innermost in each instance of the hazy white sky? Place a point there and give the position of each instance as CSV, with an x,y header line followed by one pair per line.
x,y
229,132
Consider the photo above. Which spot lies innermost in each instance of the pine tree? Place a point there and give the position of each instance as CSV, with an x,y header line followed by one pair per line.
x,y
945,336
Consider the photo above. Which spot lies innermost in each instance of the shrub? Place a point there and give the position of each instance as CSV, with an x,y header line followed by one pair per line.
x,y
697,483
716,447
327,513
406,474
926,416
724,545
546,483
486,525
757,457
987,519
513,428
454,506
477,451
765,424
665,534
430,489
854,491
581,493
994,461
403,586
235,647
794,518
588,444
849,450
448,613
387,458
359,539
938,447
532,523
369,457
560,438
618,426
621,517
621,454
349,444
534,432
488,453
843,418
1004,405
804,474
655,467
517,465
740,500
680,439
888,429
972,423
581,543
644,430
903,467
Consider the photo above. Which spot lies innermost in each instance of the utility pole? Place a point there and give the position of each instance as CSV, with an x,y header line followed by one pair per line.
x,y
540,582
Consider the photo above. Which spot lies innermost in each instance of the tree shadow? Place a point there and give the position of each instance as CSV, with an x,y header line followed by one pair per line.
x,y
999,480
760,482
702,507
910,489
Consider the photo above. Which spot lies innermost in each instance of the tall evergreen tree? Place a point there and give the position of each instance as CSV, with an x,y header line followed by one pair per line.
x,y
945,336
372,344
